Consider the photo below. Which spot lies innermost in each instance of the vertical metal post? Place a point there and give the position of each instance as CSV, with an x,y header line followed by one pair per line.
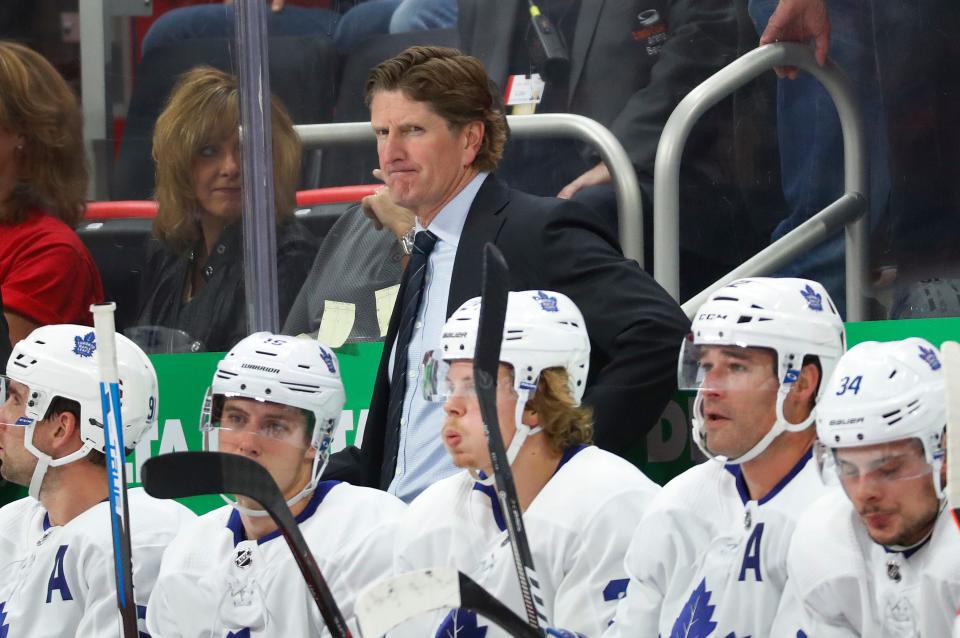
x,y
259,216
95,39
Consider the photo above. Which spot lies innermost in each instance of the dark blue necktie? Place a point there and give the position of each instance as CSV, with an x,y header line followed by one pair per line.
x,y
423,243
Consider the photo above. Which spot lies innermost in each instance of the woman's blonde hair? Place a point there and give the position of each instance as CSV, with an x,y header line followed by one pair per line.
x,y
204,109
564,423
37,104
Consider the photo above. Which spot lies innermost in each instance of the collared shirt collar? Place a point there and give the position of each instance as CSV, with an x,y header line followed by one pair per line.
x,y
448,224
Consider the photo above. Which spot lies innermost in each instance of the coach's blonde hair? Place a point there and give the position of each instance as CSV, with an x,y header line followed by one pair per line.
x,y
204,109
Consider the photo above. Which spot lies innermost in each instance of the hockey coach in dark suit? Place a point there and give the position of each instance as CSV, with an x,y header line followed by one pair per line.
x,y
440,133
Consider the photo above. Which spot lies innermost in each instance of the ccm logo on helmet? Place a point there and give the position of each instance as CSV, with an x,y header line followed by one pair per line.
x,y
853,421
710,316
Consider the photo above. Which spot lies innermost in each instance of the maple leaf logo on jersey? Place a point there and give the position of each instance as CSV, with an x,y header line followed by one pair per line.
x,y
461,623
814,299
548,303
696,617
929,355
85,346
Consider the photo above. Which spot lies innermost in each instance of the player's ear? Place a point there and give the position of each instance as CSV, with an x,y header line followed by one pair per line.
x,y
530,417
64,433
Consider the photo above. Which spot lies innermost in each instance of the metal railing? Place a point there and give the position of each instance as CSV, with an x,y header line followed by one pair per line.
x,y
629,204
847,211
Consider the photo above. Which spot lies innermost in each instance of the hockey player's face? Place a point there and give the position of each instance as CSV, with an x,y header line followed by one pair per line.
x,y
216,178
739,391
16,463
273,435
463,428
891,488
424,161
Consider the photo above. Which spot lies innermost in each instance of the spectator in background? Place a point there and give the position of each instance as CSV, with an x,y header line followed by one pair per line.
x,y
46,273
365,20
630,64
440,132
193,278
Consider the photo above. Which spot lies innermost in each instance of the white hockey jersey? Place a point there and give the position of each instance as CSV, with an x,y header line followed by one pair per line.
x,y
707,560
59,581
578,528
214,583
844,584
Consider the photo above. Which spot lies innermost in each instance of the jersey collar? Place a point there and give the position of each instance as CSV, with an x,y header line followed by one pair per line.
x,y
235,524
491,491
742,484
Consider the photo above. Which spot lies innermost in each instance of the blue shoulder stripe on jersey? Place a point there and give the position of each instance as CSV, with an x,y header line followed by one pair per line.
x,y
235,525
568,454
491,491
742,484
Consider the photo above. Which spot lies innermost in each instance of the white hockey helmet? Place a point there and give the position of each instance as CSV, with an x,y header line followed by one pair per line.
x,y
292,371
793,318
882,393
58,361
542,329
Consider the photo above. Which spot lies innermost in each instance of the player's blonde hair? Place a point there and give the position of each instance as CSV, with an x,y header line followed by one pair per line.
x,y
564,423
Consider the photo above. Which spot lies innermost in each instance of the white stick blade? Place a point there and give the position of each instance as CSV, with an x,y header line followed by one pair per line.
x,y
392,602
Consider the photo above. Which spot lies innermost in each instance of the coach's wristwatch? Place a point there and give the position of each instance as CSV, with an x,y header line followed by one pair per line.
x,y
406,240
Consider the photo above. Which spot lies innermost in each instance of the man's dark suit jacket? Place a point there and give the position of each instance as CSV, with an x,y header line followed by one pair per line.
x,y
635,328
615,81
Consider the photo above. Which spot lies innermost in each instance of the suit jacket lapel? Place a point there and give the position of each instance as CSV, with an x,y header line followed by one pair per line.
x,y
482,225
582,39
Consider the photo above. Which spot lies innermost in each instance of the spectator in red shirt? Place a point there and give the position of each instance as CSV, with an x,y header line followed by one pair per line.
x,y
46,273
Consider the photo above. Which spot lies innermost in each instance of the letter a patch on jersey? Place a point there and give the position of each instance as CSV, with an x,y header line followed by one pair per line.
x,y
696,617
751,555
58,578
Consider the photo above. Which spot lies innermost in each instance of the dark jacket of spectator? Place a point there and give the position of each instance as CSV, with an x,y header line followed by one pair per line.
x,y
216,317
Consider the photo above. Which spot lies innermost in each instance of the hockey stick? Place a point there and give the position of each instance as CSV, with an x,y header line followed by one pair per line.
x,y
182,474
486,363
950,352
106,350
389,603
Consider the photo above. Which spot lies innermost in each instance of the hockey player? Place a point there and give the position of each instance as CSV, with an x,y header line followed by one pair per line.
x,y
56,556
276,400
709,558
882,556
580,503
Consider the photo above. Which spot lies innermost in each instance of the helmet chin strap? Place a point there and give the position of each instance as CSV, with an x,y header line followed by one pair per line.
x,y
307,490
779,426
45,461
519,437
